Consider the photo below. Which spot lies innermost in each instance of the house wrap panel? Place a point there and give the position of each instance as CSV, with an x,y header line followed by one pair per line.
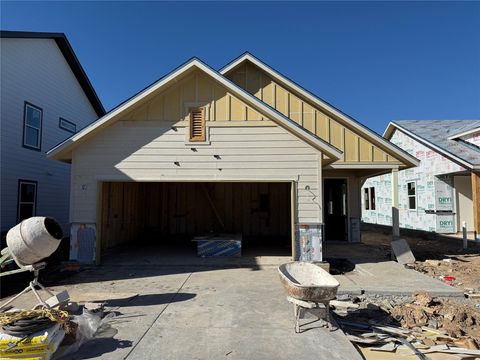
x,y
472,138
434,190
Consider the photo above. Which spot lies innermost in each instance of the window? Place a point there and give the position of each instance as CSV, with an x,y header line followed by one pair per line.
x,y
372,198
366,199
197,124
27,199
369,198
412,195
32,127
67,125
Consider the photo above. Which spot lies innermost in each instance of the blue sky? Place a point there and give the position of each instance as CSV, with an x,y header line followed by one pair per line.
x,y
376,61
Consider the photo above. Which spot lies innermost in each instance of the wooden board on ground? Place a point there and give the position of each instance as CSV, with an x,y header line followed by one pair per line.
x,y
402,252
406,354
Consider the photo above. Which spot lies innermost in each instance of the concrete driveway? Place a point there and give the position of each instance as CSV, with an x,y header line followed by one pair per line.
x,y
184,312
217,308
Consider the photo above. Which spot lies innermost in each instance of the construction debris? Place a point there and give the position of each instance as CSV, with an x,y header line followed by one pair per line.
x,y
453,318
43,333
59,299
71,265
343,304
402,252
423,325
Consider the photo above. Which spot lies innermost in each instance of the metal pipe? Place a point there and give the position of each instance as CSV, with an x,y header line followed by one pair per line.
x,y
465,239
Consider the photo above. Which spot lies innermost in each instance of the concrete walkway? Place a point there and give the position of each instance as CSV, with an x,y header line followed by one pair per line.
x,y
391,278
372,273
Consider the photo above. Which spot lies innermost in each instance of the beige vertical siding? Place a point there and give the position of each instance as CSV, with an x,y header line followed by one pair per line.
x,y
196,89
333,131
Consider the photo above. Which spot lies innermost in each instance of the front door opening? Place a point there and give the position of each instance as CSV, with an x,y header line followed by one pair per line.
x,y
335,209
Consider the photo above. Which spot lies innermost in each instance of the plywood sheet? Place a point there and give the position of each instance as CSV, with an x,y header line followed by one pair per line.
x,y
402,252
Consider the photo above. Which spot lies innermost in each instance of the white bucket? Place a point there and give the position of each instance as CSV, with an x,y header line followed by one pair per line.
x,y
34,239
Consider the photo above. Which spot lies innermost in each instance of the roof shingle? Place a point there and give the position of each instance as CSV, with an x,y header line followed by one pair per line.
x,y
438,132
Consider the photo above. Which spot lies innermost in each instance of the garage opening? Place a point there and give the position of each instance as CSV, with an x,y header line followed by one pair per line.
x,y
170,215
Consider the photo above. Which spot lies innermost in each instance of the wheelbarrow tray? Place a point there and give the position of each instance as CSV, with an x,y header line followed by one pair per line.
x,y
308,282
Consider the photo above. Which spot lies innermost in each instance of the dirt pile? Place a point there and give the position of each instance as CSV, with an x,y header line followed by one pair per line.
x,y
456,320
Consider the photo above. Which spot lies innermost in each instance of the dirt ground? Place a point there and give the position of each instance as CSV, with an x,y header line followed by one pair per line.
x,y
437,257
464,270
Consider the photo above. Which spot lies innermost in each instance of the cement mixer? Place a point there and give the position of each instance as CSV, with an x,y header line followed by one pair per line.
x,y
33,240
28,243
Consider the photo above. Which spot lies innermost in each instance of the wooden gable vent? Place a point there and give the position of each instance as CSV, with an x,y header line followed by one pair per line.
x,y
197,124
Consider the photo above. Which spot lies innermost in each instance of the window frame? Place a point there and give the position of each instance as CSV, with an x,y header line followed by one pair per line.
x,y
372,198
192,139
19,196
24,144
414,196
366,198
60,120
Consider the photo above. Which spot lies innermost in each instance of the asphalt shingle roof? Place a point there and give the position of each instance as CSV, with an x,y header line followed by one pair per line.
x,y
437,132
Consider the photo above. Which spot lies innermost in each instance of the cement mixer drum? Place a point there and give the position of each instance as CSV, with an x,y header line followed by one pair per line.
x,y
34,239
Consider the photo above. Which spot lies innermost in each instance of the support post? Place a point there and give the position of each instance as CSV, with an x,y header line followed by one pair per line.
x,y
464,233
395,213
98,225
293,220
476,204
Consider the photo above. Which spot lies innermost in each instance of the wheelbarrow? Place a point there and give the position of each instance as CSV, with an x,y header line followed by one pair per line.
x,y
308,287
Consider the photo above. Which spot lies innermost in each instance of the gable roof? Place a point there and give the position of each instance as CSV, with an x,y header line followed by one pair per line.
x,y
436,134
59,152
322,104
72,60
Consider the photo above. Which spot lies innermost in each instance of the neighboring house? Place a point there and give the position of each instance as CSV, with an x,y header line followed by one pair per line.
x,y
439,194
242,150
45,98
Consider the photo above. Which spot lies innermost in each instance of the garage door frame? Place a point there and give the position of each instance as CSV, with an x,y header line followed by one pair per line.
x,y
293,213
